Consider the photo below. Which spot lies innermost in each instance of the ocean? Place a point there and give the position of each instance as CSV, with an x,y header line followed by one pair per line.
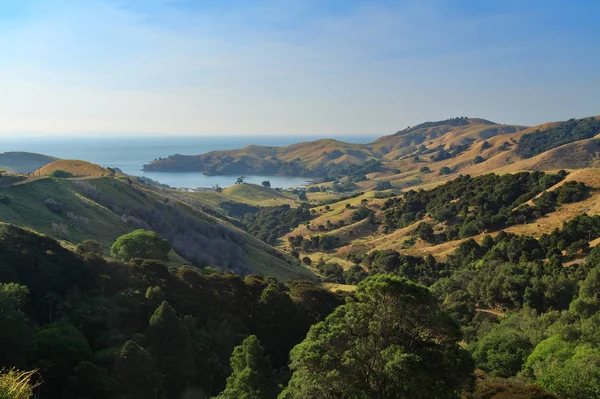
x,y
130,153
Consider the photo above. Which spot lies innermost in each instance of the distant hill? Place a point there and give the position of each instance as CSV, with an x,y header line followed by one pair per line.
x,y
75,168
23,162
330,158
428,153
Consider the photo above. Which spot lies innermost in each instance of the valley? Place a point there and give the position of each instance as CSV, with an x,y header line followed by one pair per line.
x,y
503,235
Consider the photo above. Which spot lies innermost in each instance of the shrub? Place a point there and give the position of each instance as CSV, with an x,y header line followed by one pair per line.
x,y
425,169
384,185
60,230
478,159
140,244
361,213
444,170
61,174
53,205
90,247
15,384
5,200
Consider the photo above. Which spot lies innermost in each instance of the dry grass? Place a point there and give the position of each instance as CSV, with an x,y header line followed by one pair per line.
x,y
590,205
15,384
257,195
76,168
334,287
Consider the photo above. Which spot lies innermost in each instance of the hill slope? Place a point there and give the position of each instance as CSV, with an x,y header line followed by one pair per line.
x,y
104,208
23,162
75,168
428,153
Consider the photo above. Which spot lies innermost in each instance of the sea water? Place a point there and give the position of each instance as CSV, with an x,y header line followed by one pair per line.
x,y
130,153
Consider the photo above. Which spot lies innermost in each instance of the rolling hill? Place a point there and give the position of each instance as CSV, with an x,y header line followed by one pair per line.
x,y
23,162
421,155
103,208
75,168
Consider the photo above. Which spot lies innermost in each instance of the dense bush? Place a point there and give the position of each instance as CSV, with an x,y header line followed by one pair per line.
x,y
470,206
361,213
535,143
140,244
61,174
270,223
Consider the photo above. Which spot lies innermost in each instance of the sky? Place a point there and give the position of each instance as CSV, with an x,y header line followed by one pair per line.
x,y
334,67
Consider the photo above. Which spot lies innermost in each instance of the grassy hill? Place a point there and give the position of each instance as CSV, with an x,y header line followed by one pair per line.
x,y
103,208
75,168
255,194
419,156
23,162
362,237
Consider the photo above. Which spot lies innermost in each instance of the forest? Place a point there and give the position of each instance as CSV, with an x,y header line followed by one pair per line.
x,y
135,328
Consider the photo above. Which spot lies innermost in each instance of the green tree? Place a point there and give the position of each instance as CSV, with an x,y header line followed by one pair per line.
x,y
89,381
425,232
391,341
154,297
140,244
58,348
275,322
251,374
502,351
266,183
15,332
61,174
90,246
136,373
570,370
169,345
444,170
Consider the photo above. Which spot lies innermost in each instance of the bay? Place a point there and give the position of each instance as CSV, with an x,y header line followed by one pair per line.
x,y
130,153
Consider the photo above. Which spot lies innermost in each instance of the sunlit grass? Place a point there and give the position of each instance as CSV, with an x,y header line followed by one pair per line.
x,y
16,384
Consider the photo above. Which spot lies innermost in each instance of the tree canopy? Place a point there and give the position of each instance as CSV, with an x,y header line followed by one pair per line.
x,y
251,374
391,341
140,244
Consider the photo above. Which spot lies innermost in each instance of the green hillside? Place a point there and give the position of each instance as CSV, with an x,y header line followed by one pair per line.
x,y
105,208
255,194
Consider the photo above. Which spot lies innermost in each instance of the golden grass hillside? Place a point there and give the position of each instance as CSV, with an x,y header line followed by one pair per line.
x,y
75,168
500,156
358,237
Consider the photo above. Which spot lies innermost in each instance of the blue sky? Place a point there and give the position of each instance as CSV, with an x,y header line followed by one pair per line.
x,y
292,67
